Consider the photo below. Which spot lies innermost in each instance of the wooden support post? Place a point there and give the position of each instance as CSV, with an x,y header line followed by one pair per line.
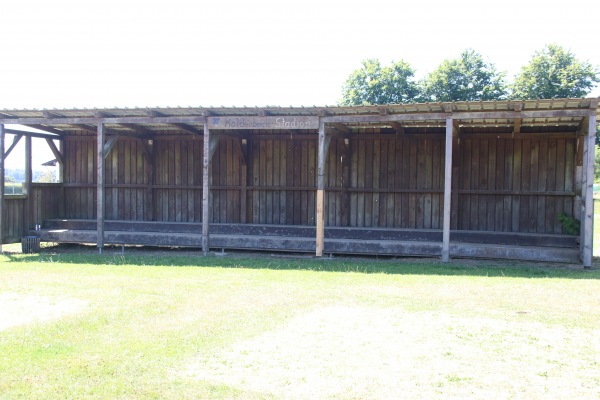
x,y
447,191
100,188
346,166
241,149
588,189
28,217
324,141
148,151
55,151
13,145
1,186
206,190
108,146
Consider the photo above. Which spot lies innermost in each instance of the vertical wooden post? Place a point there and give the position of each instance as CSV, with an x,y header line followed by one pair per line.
x,y
100,188
244,179
28,217
1,186
61,178
206,190
320,218
588,217
447,191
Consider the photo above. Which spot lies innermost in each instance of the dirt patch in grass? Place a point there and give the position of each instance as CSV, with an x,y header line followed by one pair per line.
x,y
16,309
361,352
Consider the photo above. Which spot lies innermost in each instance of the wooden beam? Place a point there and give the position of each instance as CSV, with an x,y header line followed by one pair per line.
x,y
341,128
139,129
324,141
518,107
357,119
2,136
108,146
455,129
86,128
214,143
100,188
28,214
588,217
46,129
16,140
183,127
447,191
237,148
32,134
397,127
56,152
517,126
206,172
428,116
187,128
146,150
105,120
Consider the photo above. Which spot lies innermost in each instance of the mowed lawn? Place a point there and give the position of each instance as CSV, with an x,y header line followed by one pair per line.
x,y
165,325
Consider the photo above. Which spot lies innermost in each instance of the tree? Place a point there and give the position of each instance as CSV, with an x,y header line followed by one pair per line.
x,y
554,73
374,84
466,78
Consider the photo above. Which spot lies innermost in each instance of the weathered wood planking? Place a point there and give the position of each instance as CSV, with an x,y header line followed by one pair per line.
x,y
282,176
395,182
515,185
371,180
45,202
13,218
177,186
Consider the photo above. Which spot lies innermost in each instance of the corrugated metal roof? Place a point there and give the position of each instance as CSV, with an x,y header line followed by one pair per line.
x,y
469,109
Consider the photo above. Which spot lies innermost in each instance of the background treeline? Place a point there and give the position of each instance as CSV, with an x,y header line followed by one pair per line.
x,y
552,72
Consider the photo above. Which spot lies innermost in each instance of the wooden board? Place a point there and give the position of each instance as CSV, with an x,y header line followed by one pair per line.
x,y
242,123
516,185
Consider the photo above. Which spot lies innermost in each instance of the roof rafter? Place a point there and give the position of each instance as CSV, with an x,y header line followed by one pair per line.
x,y
184,127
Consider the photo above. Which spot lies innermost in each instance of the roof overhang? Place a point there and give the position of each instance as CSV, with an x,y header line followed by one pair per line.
x,y
548,115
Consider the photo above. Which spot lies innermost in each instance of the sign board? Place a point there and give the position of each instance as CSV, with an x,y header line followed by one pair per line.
x,y
263,122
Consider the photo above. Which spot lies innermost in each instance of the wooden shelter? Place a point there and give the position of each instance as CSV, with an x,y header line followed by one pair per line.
x,y
464,179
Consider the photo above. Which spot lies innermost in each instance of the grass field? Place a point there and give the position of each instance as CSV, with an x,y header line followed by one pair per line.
x,y
166,325
597,227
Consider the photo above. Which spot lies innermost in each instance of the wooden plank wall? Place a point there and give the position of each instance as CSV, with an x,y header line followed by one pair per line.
x,y
283,176
177,188
80,177
228,180
372,180
515,185
396,182
46,202
14,218
126,174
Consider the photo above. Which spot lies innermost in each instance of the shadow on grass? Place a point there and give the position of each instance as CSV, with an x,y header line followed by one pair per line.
x,y
82,256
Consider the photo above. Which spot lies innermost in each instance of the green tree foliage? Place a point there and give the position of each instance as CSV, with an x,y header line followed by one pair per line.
x,y
466,78
374,84
554,73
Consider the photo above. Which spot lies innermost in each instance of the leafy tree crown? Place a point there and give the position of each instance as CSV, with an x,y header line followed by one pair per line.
x,y
555,73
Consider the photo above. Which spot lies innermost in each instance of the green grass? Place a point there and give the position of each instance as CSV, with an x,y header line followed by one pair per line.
x,y
596,227
146,318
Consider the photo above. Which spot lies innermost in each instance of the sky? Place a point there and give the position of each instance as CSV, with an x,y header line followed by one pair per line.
x,y
122,53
